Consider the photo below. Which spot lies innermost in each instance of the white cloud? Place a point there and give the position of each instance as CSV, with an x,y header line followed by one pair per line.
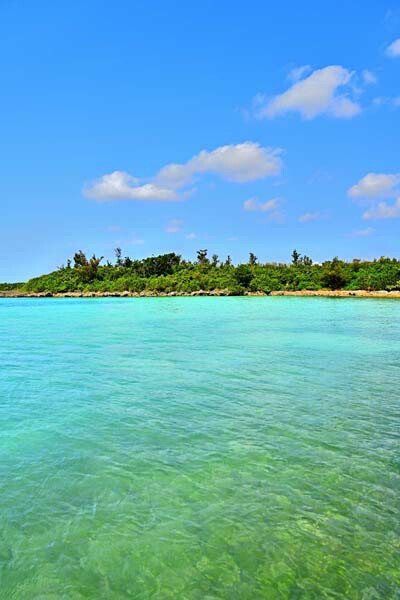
x,y
252,205
174,226
315,95
369,77
387,100
271,208
375,185
298,72
394,49
191,236
383,211
310,217
239,163
363,232
122,186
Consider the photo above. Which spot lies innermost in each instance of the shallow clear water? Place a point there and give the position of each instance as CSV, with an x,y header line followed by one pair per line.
x,y
199,448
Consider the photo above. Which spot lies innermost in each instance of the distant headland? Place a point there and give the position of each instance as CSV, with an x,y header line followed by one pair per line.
x,y
171,275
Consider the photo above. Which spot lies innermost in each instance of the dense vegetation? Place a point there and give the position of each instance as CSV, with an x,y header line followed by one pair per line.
x,y
170,273
7,287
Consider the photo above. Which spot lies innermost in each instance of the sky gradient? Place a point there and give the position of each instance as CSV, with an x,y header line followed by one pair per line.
x,y
173,126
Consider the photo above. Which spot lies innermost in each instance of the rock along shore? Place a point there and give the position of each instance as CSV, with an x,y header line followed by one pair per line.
x,y
225,292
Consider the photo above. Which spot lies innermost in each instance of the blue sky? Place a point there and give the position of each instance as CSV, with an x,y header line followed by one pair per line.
x,y
281,121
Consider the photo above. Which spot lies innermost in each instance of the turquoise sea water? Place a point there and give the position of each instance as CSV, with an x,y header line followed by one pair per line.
x,y
199,448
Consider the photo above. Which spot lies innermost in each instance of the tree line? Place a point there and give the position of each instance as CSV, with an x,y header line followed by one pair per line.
x,y
171,273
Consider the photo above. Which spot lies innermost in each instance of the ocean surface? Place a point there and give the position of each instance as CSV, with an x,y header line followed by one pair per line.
x,y
199,448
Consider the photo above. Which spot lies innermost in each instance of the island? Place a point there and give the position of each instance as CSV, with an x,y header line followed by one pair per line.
x,y
171,275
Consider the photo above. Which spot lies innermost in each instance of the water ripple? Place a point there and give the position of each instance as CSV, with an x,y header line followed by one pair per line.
x,y
199,448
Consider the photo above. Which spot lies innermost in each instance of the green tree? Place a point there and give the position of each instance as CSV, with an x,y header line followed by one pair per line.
x,y
90,269
214,260
127,262
163,264
295,257
80,259
243,275
252,259
306,261
202,258
118,257
334,275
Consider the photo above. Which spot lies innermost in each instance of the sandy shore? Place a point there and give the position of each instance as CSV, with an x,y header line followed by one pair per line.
x,y
149,294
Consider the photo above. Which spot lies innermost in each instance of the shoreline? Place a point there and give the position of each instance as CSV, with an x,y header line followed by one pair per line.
x,y
205,293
